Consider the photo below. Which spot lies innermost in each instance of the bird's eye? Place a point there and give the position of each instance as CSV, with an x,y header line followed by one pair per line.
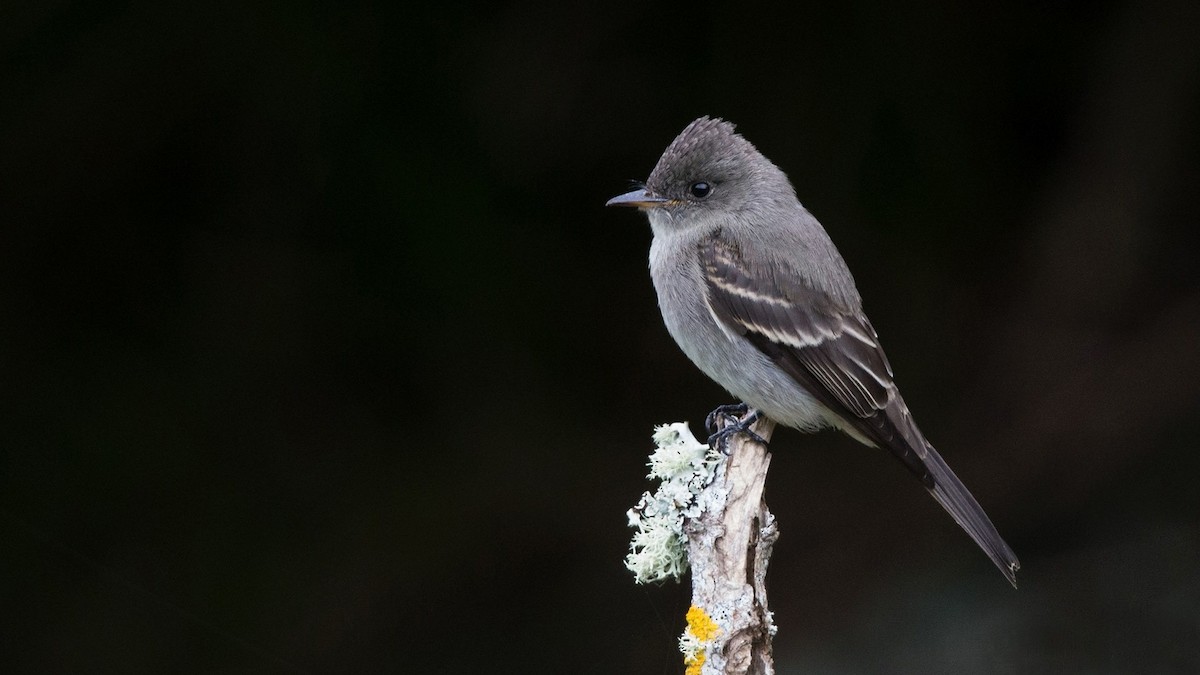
x,y
700,189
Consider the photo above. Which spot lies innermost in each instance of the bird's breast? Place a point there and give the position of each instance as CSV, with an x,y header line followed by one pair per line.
x,y
717,349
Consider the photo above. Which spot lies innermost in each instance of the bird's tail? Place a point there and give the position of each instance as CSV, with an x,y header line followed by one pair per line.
x,y
958,502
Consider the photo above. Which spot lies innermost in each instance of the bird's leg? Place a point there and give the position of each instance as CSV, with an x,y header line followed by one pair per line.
x,y
719,439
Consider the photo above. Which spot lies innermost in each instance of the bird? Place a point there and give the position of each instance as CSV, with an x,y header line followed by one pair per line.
x,y
757,296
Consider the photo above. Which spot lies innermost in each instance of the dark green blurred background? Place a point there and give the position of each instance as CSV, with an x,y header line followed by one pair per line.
x,y
319,352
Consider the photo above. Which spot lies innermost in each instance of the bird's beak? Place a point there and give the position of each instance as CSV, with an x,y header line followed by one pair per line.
x,y
641,198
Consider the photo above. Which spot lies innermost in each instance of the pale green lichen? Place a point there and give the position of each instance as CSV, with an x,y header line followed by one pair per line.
x,y
679,454
685,466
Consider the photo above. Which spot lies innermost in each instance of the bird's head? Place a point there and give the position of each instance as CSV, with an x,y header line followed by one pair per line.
x,y
708,170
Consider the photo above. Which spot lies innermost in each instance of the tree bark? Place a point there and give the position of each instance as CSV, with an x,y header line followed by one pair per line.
x,y
729,548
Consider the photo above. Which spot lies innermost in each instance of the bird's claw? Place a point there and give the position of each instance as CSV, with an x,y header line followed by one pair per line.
x,y
732,414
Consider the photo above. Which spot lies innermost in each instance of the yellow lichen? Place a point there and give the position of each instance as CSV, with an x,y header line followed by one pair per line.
x,y
701,625
700,631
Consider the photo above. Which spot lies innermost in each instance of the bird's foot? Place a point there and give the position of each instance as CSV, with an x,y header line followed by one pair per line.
x,y
735,424
730,412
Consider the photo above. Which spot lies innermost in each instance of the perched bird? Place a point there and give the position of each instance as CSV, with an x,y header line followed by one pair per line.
x,y
758,297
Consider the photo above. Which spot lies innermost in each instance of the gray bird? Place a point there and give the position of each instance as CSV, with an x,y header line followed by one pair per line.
x,y
758,297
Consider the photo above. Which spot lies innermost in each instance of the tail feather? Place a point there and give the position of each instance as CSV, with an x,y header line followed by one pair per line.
x,y
958,502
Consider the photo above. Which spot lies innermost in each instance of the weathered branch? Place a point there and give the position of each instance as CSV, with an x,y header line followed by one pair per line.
x,y
729,547
708,513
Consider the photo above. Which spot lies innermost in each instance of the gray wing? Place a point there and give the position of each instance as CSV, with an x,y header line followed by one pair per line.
x,y
831,350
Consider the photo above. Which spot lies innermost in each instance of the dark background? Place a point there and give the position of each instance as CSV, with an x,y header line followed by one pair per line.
x,y
319,352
